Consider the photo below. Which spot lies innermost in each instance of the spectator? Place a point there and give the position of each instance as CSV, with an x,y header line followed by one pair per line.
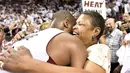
x,y
113,40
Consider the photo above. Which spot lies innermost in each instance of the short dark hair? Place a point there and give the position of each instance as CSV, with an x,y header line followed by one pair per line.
x,y
123,22
96,20
60,16
113,19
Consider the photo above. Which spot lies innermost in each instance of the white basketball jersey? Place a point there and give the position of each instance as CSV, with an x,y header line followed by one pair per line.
x,y
37,43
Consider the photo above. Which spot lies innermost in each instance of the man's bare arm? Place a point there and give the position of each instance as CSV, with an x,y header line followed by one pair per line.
x,y
35,66
21,61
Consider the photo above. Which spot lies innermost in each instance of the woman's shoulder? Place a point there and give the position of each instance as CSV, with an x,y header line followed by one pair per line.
x,y
99,46
99,49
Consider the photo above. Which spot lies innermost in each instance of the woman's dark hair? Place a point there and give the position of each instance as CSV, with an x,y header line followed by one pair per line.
x,y
96,20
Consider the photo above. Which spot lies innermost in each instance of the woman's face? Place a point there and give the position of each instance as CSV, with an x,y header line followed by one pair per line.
x,y
83,29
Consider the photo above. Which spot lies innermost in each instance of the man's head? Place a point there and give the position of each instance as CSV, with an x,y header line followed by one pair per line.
x,y
110,24
63,20
89,27
126,17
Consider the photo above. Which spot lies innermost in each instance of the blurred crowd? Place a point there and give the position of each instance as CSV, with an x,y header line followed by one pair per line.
x,y
35,14
116,8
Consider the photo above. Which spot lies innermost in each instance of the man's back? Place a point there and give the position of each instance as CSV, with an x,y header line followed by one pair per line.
x,y
66,49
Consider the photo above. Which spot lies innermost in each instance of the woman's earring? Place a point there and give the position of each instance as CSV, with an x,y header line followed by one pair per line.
x,y
93,37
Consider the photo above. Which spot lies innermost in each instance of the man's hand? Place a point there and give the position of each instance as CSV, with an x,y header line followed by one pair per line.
x,y
12,26
16,61
20,35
